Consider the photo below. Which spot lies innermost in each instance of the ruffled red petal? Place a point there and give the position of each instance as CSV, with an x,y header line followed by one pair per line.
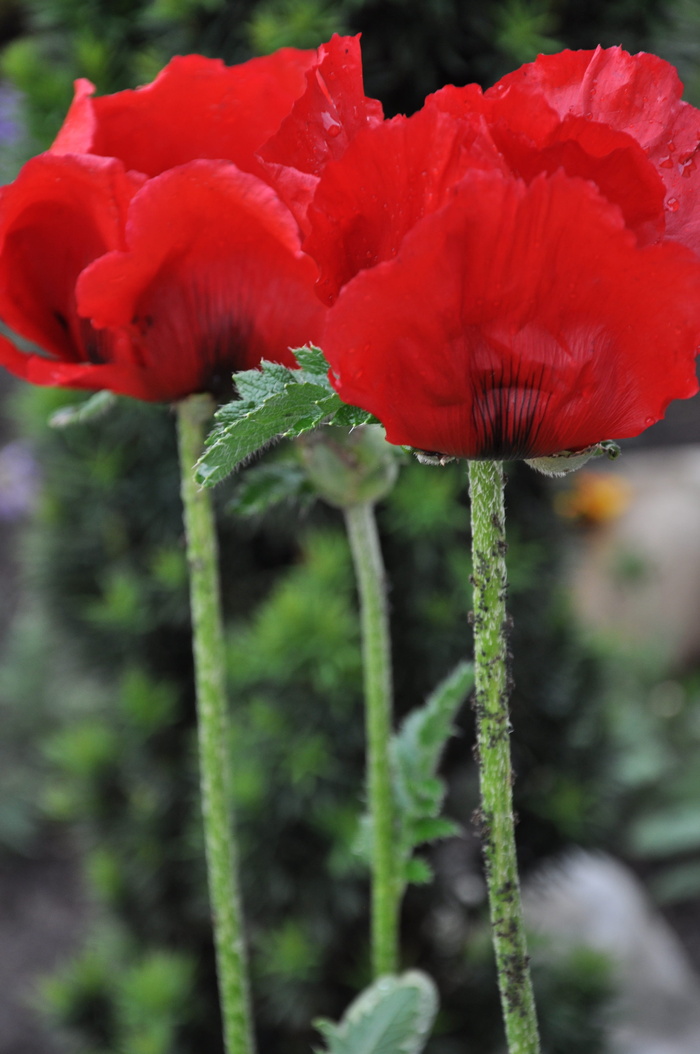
x,y
56,218
533,138
389,177
518,321
322,123
211,282
195,108
636,94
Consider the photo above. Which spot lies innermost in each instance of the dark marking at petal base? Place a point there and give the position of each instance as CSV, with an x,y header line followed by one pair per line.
x,y
508,409
62,321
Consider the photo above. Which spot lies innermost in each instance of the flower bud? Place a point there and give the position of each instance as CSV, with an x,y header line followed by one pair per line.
x,y
349,466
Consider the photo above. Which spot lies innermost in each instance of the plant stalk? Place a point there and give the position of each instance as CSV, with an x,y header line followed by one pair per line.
x,y
376,653
486,484
213,737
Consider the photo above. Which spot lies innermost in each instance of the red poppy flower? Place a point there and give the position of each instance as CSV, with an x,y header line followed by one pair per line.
x,y
146,252
504,268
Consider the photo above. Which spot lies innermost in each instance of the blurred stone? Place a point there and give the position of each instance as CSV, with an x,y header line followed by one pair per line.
x,y
592,901
637,575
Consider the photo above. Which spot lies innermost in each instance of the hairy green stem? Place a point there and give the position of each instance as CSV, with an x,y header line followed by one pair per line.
x,y
493,730
376,654
212,721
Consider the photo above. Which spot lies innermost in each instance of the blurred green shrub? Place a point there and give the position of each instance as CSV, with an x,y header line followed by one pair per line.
x,y
96,690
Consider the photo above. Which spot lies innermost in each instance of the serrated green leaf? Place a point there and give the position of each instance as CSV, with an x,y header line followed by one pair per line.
x,y
352,416
418,792
90,410
419,872
313,363
416,752
275,401
265,486
255,386
295,410
392,1016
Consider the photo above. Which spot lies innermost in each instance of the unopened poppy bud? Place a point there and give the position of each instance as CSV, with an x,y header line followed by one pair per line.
x,y
349,466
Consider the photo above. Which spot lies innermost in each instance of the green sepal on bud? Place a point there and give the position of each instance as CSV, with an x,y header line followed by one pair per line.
x,y
349,466
569,460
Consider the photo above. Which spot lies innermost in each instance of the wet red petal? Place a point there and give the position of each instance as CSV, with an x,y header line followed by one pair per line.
x,y
389,178
56,218
636,94
322,123
212,280
518,321
195,108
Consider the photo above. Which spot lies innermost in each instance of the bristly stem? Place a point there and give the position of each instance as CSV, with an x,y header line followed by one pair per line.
x,y
376,653
493,729
212,721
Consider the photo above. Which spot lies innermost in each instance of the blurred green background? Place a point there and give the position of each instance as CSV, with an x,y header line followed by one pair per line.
x,y
97,755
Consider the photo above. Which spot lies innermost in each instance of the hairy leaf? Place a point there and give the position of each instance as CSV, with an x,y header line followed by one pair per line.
x,y
393,1016
266,485
416,753
275,402
89,410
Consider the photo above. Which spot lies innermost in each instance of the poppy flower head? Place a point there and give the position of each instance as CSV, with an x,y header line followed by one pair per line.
x,y
147,251
514,290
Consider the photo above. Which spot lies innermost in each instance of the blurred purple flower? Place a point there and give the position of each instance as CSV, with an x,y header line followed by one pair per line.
x,y
10,121
19,481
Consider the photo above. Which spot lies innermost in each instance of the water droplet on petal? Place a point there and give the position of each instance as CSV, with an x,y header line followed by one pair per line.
x,y
672,204
334,131
671,146
649,421
666,162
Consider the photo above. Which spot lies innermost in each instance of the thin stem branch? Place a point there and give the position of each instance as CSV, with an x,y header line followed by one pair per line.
x,y
376,652
493,730
212,720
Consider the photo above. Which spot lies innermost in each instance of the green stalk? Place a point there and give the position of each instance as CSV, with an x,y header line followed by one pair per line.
x,y
493,729
212,721
376,654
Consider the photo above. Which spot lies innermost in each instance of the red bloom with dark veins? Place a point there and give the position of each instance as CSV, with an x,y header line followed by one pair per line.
x,y
508,274
147,251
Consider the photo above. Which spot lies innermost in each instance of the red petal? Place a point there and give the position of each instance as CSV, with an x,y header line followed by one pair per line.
x,y
57,217
534,138
195,108
518,322
322,123
636,94
388,178
212,280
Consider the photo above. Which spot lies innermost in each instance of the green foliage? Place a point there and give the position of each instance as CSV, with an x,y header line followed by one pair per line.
x,y
149,994
275,402
271,483
88,410
293,23
524,28
574,994
393,1016
416,751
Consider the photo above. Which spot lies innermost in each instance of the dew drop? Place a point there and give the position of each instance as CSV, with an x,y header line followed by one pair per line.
x,y
671,146
672,204
334,131
687,166
666,162
649,421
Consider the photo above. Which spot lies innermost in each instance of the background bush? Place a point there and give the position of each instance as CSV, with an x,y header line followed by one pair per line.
x,y
96,689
